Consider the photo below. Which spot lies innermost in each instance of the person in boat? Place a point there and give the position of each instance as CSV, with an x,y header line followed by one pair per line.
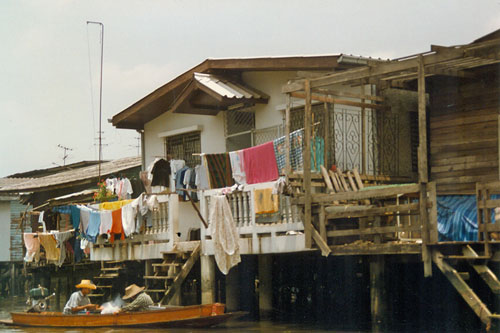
x,y
140,301
79,300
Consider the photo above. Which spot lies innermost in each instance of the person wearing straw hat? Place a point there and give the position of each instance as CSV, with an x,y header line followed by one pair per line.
x,y
140,300
79,301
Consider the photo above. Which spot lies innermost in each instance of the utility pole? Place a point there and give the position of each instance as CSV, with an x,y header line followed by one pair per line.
x,y
100,94
65,155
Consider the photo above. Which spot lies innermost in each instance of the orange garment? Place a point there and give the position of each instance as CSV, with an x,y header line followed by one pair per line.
x,y
116,227
49,243
265,201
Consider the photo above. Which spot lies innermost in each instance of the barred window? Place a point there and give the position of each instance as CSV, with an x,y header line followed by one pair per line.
x,y
239,126
183,146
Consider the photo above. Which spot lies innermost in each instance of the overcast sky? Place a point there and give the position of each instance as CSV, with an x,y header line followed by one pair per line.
x,y
49,59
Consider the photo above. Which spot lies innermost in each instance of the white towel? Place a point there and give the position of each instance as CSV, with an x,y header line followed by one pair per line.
x,y
224,234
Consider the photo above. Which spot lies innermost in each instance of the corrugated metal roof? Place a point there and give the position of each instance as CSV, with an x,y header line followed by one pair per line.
x,y
12,181
71,176
226,88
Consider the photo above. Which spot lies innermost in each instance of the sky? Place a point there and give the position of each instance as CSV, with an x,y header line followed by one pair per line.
x,y
50,56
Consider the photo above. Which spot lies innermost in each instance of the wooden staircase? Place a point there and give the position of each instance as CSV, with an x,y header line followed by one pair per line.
x,y
446,263
110,270
169,275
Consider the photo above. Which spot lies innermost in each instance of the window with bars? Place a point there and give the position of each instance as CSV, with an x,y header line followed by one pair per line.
x,y
239,126
183,146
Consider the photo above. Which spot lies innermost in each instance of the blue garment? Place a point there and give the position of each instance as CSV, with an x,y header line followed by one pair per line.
x,y
75,216
93,228
457,217
317,153
62,209
296,162
179,181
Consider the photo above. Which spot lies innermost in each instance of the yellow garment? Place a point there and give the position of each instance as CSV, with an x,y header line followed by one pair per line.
x,y
265,201
49,243
114,205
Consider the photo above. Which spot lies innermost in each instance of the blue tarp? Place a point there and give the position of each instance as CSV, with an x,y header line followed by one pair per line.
x,y
457,217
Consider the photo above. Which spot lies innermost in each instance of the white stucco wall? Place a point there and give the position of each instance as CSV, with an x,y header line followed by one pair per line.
x,y
4,231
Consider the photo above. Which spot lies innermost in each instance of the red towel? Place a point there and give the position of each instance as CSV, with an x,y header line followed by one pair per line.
x,y
260,163
117,227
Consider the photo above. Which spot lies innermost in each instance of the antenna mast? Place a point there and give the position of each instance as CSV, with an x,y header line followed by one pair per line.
x,y
100,95
65,155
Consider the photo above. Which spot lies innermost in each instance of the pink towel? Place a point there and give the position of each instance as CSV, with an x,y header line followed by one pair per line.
x,y
260,163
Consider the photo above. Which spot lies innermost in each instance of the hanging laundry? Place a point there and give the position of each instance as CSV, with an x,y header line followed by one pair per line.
x,y
260,163
50,219
128,219
61,238
265,201
75,216
295,151
41,221
84,218
175,166
219,169
192,185
179,182
317,153
49,243
93,228
237,166
161,173
224,234
106,222
201,179
117,227
32,244
113,205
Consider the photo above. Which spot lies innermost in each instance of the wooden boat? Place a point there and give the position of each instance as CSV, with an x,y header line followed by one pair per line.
x,y
185,316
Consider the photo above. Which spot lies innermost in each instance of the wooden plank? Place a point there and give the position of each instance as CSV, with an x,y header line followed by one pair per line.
x,y
326,178
464,166
369,248
390,191
465,179
330,99
335,181
326,134
424,220
484,271
488,203
342,180
362,95
485,143
179,279
370,210
373,231
359,182
463,121
307,165
436,160
473,138
325,249
288,168
422,124
432,220
466,172
463,289
351,181
460,130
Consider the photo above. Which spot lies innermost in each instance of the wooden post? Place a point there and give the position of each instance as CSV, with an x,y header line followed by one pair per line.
x,y
207,279
422,124
265,264
233,289
288,167
424,220
377,294
326,135
307,165
363,134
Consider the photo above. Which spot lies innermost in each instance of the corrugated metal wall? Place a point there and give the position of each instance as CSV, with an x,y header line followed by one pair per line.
x,y
464,131
16,241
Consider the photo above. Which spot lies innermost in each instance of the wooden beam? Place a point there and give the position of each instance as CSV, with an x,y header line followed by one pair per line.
x,y
186,92
330,99
390,191
432,220
484,271
424,221
375,249
288,168
422,124
373,231
307,165
179,279
325,250
349,94
463,289
336,212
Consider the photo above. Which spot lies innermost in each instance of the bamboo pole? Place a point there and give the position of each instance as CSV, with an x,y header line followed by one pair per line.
x,y
307,166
